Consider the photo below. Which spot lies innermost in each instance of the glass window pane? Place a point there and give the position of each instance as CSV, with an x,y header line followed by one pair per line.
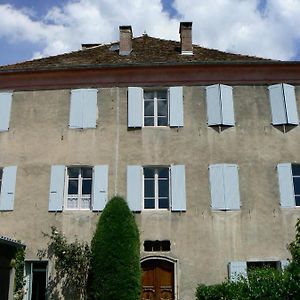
x,y
162,108
163,188
1,172
86,186
149,188
85,202
148,121
295,169
148,172
86,172
161,94
72,202
162,121
297,199
149,108
296,185
149,203
73,172
163,173
73,187
148,95
163,203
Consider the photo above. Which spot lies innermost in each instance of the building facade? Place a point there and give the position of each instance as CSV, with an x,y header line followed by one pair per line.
x,y
203,145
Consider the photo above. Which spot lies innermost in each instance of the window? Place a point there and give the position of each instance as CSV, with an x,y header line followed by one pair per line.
x,y
7,187
151,246
1,174
219,102
156,188
283,104
224,187
5,107
155,107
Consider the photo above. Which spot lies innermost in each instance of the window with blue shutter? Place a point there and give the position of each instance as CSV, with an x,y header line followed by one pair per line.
x,y
135,107
224,187
283,104
176,106
5,108
100,187
7,188
57,183
83,108
219,102
178,188
134,187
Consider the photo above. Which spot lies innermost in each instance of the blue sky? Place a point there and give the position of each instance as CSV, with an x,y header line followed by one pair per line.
x,y
33,29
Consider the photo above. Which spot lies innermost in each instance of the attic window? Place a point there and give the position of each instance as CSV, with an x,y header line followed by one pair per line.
x,y
156,246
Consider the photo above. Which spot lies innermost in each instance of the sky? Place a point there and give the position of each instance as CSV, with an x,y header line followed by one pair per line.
x,y
32,29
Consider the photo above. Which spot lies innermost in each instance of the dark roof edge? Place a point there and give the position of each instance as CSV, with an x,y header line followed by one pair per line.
x,y
11,242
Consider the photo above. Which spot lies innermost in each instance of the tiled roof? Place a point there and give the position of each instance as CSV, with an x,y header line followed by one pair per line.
x,y
146,51
11,242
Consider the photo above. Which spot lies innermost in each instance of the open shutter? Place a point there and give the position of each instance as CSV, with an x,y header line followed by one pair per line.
x,y
290,103
57,182
134,187
76,109
8,188
277,104
135,107
237,269
100,187
231,187
178,188
176,106
213,104
216,179
89,108
227,105
286,186
5,107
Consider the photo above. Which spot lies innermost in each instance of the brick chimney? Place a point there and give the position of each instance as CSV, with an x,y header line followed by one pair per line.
x,y
186,43
125,40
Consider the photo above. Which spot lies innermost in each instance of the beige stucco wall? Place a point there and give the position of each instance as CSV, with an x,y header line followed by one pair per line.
x,y
202,241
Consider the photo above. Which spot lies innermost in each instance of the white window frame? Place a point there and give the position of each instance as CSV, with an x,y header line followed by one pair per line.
x,y
79,199
155,99
1,179
156,198
295,176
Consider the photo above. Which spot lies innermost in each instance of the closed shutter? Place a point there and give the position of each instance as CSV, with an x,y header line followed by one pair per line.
x,y
277,103
134,187
176,106
76,109
57,181
100,187
213,104
5,107
286,186
216,179
178,193
237,269
227,105
231,187
290,103
89,108
135,107
8,188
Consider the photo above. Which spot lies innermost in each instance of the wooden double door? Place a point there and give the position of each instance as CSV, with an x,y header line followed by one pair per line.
x,y
157,280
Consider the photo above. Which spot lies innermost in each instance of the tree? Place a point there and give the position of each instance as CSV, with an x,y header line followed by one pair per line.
x,y
115,271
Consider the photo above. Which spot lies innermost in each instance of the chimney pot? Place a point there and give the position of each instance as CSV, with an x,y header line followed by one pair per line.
x,y
125,40
186,43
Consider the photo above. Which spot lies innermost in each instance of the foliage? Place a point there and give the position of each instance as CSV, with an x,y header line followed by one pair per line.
x,y
115,264
18,264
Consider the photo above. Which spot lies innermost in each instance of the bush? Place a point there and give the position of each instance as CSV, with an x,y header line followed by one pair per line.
x,y
115,263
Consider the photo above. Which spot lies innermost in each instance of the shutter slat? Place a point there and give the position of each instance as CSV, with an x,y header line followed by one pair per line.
x,y
231,187
216,179
290,103
100,187
8,188
89,108
134,188
178,192
176,106
5,108
135,107
213,104
56,194
227,105
237,269
277,104
76,109
286,186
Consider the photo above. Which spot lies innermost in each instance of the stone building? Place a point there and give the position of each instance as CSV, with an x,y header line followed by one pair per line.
x,y
203,144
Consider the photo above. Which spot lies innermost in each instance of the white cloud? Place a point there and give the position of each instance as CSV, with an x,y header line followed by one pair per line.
x,y
229,25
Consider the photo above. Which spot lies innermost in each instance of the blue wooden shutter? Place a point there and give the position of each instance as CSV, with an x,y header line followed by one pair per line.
x,y
231,187
5,107
290,103
277,104
217,192
134,187
76,109
237,269
178,194
176,106
89,108
8,188
213,104
135,107
100,187
286,186
57,182
227,105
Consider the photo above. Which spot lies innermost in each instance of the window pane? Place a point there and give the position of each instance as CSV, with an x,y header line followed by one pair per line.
x,y
85,201
149,108
149,188
163,203
86,186
73,187
163,173
163,188
295,169
161,94
149,203
162,121
1,172
148,172
72,202
73,172
296,185
162,108
148,121
86,172
297,199
148,95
